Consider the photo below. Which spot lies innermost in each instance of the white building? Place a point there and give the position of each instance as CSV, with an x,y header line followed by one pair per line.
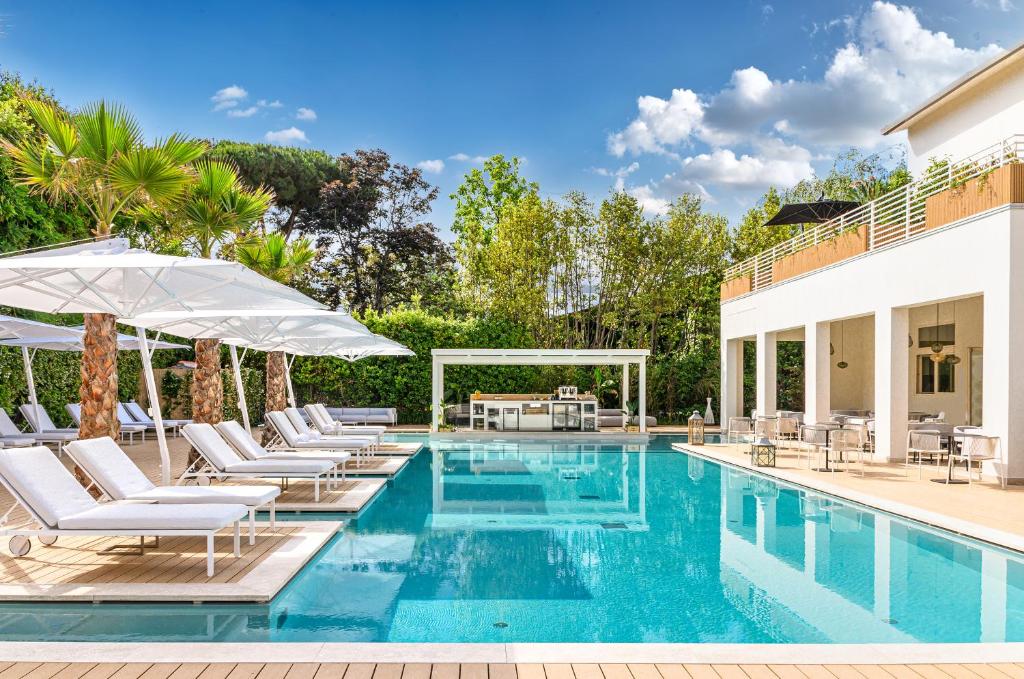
x,y
941,259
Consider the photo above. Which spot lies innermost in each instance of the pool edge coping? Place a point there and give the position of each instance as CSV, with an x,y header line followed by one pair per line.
x,y
388,652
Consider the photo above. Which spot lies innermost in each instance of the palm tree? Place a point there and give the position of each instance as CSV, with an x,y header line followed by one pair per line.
x,y
215,207
276,258
98,158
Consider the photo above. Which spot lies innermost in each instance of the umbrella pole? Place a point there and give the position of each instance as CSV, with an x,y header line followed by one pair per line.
x,y
288,380
26,359
154,404
236,368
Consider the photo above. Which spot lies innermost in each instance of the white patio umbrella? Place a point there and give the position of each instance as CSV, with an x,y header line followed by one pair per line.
x,y
30,335
112,277
249,328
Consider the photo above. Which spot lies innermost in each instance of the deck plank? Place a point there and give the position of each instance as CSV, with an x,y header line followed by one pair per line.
x,y
526,671
505,671
613,671
389,671
416,671
473,671
334,670
644,671
758,672
558,671
361,670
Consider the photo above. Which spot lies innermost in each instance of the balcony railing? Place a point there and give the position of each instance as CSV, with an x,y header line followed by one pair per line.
x,y
889,219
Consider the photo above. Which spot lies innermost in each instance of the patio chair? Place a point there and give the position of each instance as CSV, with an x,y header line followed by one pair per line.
x,y
128,428
974,445
921,443
10,435
296,417
739,427
140,416
766,427
842,445
246,446
118,478
49,435
327,425
286,437
788,429
812,439
60,506
218,460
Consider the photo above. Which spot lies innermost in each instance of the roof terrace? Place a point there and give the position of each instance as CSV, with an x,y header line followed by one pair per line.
x,y
948,192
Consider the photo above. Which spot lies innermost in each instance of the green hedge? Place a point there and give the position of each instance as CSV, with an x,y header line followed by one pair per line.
x,y
177,396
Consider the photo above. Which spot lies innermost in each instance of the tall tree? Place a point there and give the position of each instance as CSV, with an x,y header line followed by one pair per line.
x,y
479,201
276,258
213,209
378,250
294,175
98,158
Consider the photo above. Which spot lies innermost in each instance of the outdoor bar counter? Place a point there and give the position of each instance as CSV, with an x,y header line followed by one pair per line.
x,y
532,412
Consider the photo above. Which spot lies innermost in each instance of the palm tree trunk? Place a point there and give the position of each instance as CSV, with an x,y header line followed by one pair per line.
x,y
207,386
276,391
98,392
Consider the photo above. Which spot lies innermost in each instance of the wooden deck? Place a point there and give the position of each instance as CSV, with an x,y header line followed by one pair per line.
x,y
32,670
379,466
78,569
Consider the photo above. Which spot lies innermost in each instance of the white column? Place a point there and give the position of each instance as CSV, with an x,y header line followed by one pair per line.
x,y
1002,386
624,386
288,379
993,597
154,404
892,387
26,359
236,369
642,396
731,399
817,372
437,388
767,388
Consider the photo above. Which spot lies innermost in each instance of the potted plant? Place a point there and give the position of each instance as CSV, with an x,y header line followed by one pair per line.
x,y
632,423
442,422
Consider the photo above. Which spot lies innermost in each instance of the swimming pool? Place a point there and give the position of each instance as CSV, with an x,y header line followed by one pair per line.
x,y
578,541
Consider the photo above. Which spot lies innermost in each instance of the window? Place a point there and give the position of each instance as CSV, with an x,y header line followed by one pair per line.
x,y
935,378
944,334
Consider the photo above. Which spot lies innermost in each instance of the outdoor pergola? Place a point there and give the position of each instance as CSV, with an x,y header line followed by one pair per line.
x,y
595,357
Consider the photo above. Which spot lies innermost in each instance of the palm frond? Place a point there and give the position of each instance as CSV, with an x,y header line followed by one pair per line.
x,y
39,168
106,130
183,150
58,129
148,170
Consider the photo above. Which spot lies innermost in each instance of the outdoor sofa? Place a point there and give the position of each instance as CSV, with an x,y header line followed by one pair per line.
x,y
386,416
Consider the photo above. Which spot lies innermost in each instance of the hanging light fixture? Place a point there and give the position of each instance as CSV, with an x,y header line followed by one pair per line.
x,y
953,359
936,345
842,365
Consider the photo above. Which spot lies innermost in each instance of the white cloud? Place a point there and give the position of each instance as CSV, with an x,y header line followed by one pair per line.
x,y
243,112
289,135
620,174
228,97
431,166
466,158
1002,5
305,114
756,130
263,103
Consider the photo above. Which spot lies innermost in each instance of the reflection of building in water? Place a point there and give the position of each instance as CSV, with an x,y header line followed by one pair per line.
x,y
538,484
794,558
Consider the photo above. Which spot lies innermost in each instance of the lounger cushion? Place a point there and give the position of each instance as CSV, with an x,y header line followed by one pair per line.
x,y
44,483
250,496
12,441
55,436
103,460
334,456
283,426
283,467
240,440
133,516
206,439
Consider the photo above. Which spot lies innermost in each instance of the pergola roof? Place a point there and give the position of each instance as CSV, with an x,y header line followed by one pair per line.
x,y
540,356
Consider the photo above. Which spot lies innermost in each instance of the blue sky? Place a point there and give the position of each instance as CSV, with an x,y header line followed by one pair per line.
x,y
657,98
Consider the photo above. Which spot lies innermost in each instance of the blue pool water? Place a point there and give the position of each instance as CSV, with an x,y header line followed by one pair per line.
x,y
540,541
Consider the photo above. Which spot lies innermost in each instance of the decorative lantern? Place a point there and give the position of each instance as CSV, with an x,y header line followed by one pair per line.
x,y
695,429
762,453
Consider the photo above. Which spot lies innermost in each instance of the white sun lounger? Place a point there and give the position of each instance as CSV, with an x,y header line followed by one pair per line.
x,y
327,425
289,437
114,473
10,435
140,416
298,420
218,460
126,427
43,428
59,506
246,446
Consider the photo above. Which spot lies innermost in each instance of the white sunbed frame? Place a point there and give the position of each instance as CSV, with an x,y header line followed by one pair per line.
x,y
271,506
278,443
204,471
48,535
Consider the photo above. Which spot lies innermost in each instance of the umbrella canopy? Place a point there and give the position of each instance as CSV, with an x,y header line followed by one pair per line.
x,y
250,327
348,348
811,213
111,277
